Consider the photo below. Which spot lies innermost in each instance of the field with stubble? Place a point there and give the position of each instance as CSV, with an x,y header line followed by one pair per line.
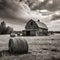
x,y
40,48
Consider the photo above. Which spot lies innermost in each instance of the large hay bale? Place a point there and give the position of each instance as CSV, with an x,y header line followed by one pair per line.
x,y
17,45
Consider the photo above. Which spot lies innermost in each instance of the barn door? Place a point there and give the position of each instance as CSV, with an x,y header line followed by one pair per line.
x,y
28,33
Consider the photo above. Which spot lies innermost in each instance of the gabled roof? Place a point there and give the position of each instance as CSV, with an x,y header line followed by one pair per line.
x,y
38,24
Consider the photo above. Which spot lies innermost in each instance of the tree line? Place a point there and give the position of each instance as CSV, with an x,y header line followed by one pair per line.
x,y
5,29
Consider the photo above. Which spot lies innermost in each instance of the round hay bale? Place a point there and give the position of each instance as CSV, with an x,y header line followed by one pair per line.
x,y
17,45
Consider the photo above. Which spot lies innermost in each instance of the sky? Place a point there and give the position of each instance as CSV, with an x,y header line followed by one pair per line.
x,y
16,13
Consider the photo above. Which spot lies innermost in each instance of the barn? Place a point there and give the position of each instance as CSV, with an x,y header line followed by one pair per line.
x,y
35,28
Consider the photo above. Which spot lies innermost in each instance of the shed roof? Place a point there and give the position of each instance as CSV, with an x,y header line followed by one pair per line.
x,y
41,24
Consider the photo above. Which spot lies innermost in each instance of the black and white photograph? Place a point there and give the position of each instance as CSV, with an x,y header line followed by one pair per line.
x,y
29,29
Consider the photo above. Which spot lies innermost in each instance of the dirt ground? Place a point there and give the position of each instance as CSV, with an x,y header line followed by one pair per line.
x,y
40,48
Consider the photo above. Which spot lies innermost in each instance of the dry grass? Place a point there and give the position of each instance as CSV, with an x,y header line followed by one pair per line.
x,y
40,48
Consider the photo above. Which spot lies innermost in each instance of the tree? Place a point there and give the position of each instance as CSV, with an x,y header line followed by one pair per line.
x,y
3,27
0,29
9,30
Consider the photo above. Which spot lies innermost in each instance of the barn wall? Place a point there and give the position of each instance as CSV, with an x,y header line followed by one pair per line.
x,y
24,33
38,32
32,33
41,32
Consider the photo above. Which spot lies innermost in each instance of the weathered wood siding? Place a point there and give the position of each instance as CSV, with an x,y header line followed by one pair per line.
x,y
31,33
31,25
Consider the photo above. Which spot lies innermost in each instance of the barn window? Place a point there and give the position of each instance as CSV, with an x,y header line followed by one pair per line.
x,y
31,23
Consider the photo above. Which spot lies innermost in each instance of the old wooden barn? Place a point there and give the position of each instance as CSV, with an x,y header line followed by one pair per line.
x,y
35,28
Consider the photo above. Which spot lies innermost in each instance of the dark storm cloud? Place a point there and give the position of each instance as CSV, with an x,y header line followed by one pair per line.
x,y
5,5
13,9
35,4
51,5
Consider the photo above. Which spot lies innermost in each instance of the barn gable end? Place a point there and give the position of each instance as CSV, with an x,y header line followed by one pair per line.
x,y
31,25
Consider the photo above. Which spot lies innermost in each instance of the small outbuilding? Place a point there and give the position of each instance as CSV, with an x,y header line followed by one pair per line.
x,y
35,28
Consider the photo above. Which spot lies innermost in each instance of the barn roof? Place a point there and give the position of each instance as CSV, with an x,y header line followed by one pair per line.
x,y
41,24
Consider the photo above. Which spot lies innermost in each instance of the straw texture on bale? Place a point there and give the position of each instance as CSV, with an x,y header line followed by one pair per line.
x,y
17,45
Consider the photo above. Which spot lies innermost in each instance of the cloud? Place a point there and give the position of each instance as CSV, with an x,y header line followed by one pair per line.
x,y
51,5
56,15
34,3
14,10
54,25
38,4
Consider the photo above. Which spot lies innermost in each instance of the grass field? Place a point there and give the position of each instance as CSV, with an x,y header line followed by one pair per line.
x,y
40,48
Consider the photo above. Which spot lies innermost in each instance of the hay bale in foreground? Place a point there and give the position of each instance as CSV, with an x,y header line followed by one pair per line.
x,y
17,45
